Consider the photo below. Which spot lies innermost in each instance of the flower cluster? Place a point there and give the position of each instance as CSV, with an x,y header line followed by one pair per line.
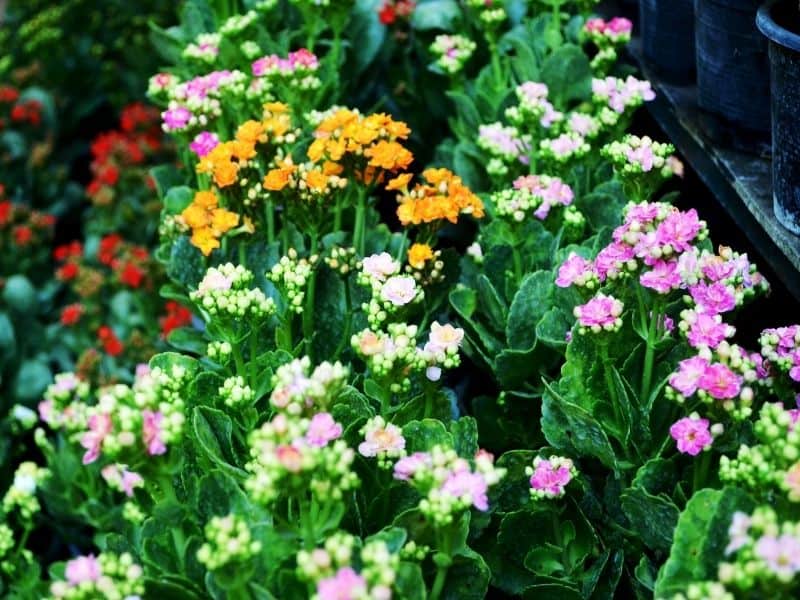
x,y
607,36
393,12
296,456
452,52
532,194
228,541
297,390
296,70
382,440
774,462
549,477
291,274
224,293
208,221
601,313
105,576
24,235
693,435
621,95
505,144
332,568
533,110
442,197
21,495
449,484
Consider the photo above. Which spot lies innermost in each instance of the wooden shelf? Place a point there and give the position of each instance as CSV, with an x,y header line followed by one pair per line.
x,y
741,183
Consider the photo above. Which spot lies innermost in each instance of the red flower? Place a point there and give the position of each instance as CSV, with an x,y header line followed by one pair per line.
x,y
108,248
111,343
64,252
18,113
131,275
22,235
109,175
177,316
387,15
71,314
8,94
6,210
68,272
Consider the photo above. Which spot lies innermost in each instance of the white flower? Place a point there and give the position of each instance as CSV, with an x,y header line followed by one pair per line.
x,y
214,281
433,373
381,438
399,290
444,338
380,266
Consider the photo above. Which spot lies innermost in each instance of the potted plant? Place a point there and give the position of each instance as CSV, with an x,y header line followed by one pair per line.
x,y
779,21
668,38
732,74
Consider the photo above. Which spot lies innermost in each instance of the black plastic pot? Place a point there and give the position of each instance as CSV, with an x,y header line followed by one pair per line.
x,y
668,38
779,21
733,73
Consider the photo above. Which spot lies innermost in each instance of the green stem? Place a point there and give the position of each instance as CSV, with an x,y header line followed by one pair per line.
x,y
337,215
649,356
612,388
238,359
253,355
308,311
270,214
701,466
358,231
442,566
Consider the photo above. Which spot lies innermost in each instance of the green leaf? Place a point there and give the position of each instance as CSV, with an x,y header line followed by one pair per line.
x,y
568,75
529,305
213,431
197,17
329,313
219,495
552,328
188,339
491,303
465,436
19,293
423,435
551,591
177,199
8,341
436,14
570,428
409,582
169,43
652,517
187,266
700,539
466,111
467,578
31,381
367,32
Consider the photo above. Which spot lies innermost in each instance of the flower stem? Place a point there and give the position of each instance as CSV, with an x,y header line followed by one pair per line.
x,y
358,231
308,311
649,355
270,214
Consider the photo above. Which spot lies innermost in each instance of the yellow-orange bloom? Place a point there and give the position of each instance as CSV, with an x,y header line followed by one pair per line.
x,y
444,198
316,180
207,221
390,156
251,132
277,179
400,182
225,173
419,254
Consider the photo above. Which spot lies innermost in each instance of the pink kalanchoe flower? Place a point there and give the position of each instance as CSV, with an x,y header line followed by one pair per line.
x,y
322,429
151,432
381,438
346,584
176,118
290,458
465,484
688,376
408,466
566,144
720,382
715,268
99,427
714,299
595,25
708,330
738,532
203,143
611,260
575,269
551,476
781,554
380,266
601,312
82,569
692,435
642,156
619,25
399,290
679,230
642,213
663,277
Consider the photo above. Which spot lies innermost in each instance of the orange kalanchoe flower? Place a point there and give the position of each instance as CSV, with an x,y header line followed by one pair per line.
x,y
444,197
208,221
419,254
277,179
390,156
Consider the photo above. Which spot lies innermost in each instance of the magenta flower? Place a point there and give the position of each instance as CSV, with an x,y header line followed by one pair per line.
x,y
610,261
720,382
322,429
346,584
663,277
601,312
619,25
551,476
713,299
81,569
642,156
707,330
464,484
679,230
99,427
408,466
574,269
176,118
152,432
203,143
692,435
642,213
690,371
782,554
